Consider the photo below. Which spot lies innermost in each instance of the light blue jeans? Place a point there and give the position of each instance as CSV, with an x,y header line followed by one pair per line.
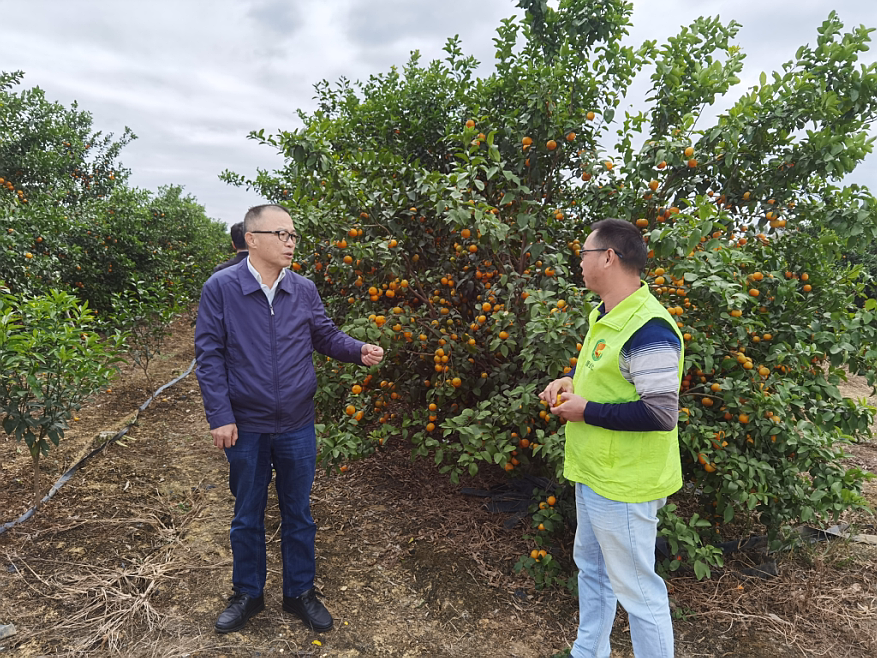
x,y
615,553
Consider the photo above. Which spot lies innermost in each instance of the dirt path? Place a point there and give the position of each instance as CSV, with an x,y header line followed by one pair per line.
x,y
132,558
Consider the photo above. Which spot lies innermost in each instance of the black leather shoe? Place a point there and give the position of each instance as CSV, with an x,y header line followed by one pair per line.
x,y
312,612
240,608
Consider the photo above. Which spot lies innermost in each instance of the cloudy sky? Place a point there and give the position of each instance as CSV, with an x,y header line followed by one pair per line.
x,y
192,77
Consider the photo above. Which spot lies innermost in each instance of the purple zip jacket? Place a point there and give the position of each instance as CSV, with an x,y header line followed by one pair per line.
x,y
255,361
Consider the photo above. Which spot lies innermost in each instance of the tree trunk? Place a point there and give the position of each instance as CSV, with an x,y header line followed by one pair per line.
x,y
36,478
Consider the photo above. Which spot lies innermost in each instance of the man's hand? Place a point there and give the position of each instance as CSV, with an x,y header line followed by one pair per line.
x,y
225,436
555,388
372,355
570,407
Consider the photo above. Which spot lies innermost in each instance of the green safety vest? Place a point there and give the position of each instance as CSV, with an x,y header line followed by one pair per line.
x,y
631,467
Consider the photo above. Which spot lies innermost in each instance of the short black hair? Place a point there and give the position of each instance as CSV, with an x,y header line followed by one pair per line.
x,y
625,239
237,236
255,212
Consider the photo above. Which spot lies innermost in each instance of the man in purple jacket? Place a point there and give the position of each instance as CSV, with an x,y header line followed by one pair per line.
x,y
258,326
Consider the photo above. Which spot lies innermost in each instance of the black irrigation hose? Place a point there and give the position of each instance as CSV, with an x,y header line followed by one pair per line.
x,y
118,435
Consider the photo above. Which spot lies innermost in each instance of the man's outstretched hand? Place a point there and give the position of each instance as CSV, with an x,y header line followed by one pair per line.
x,y
372,355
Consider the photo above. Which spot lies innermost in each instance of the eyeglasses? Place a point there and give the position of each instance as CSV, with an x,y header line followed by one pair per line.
x,y
282,235
617,253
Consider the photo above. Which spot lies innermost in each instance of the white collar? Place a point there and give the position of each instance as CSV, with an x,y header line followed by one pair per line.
x,y
258,276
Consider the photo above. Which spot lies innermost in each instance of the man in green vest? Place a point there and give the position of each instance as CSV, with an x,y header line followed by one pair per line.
x,y
622,450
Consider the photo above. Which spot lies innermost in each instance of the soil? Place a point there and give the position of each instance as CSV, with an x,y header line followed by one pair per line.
x,y
131,557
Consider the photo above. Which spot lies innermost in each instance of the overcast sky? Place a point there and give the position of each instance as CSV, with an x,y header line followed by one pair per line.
x,y
192,77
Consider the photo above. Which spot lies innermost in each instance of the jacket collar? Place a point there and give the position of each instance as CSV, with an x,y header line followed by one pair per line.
x,y
619,316
249,284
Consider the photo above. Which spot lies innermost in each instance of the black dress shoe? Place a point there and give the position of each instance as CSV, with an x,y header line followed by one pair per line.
x,y
312,612
240,608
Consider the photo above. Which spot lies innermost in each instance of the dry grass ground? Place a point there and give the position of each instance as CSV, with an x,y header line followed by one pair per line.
x,y
131,558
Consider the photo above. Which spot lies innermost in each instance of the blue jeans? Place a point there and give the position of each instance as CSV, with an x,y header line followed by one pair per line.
x,y
293,456
615,553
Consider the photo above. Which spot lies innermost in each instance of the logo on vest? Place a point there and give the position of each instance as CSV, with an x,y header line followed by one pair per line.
x,y
598,350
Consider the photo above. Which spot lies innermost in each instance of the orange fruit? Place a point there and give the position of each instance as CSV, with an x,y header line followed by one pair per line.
x,y
470,123
357,389
552,500
590,116
689,151
551,145
350,410
527,141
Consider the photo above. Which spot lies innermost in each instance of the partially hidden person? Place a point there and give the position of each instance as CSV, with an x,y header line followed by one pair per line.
x,y
239,245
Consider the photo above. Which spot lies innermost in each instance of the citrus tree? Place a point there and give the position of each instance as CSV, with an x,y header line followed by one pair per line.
x,y
52,360
69,217
443,214
77,240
